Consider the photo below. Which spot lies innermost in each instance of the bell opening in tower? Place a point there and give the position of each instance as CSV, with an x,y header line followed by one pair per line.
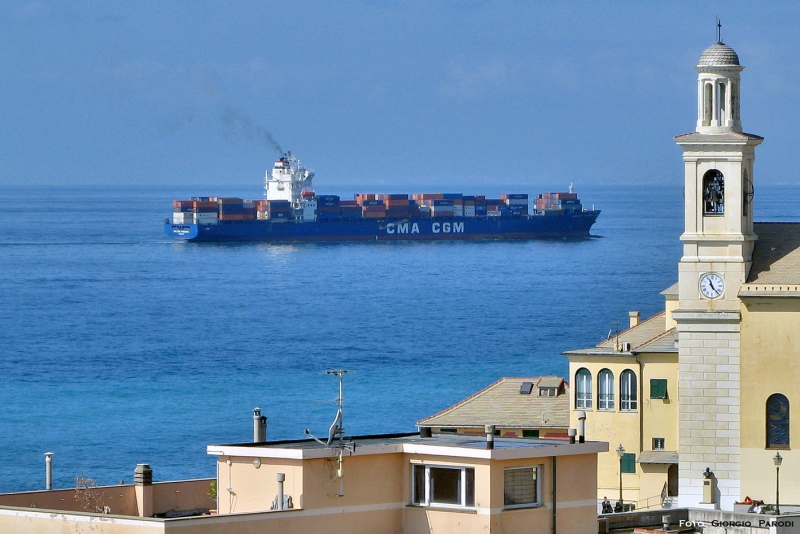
x,y
713,193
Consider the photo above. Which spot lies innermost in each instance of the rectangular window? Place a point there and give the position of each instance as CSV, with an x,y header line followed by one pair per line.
x,y
658,444
443,486
448,430
658,388
418,484
628,463
530,433
521,487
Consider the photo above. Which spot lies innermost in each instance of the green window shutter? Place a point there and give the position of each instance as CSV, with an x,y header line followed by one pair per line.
x,y
658,388
628,463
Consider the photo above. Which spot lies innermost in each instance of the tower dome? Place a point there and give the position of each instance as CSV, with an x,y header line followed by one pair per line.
x,y
718,55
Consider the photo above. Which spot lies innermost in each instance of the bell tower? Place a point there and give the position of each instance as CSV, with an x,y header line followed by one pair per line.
x,y
718,243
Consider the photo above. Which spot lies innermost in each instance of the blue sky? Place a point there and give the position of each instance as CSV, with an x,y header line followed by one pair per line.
x,y
459,93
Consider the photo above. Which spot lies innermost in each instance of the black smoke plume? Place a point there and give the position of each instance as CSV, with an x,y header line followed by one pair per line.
x,y
236,122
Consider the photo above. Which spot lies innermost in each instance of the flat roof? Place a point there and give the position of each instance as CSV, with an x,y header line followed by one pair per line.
x,y
454,445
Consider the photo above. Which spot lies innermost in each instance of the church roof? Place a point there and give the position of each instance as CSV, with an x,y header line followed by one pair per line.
x,y
776,257
502,404
664,343
651,335
718,55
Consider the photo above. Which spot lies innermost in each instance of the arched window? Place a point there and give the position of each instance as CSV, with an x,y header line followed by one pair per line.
x,y
627,391
777,421
707,104
713,193
583,389
605,390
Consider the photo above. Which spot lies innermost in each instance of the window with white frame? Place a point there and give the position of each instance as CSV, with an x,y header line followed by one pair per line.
x,y
521,487
583,389
605,390
628,398
443,486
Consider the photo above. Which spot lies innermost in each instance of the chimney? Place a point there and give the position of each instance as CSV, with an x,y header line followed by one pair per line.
x,y
581,426
425,432
634,318
281,477
571,433
489,436
259,426
143,487
48,470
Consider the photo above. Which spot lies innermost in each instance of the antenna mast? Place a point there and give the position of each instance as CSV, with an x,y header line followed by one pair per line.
x,y
337,429
339,400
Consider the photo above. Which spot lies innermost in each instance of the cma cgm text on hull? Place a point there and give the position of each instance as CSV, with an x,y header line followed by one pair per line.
x,y
292,211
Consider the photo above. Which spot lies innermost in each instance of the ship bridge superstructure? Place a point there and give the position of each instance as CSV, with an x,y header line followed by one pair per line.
x,y
288,179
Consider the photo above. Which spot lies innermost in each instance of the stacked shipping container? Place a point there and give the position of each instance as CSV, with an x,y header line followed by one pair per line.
x,y
558,202
207,210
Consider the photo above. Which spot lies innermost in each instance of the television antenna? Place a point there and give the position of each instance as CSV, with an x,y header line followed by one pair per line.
x,y
336,430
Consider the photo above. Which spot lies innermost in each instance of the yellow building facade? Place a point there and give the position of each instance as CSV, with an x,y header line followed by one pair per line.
x,y
716,372
626,388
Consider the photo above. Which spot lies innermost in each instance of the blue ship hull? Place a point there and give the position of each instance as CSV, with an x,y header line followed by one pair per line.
x,y
536,226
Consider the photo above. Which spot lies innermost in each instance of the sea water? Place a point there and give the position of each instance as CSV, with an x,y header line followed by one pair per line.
x,y
120,346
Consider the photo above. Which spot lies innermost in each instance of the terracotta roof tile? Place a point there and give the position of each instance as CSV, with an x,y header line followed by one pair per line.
x,y
502,404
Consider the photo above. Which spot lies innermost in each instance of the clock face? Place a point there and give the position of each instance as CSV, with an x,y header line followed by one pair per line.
x,y
712,286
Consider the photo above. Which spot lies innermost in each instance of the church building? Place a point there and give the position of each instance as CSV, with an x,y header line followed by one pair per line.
x,y
705,388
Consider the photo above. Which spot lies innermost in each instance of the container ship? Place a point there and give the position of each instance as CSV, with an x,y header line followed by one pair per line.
x,y
292,211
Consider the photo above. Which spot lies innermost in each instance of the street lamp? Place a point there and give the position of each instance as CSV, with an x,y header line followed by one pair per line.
x,y
777,459
620,454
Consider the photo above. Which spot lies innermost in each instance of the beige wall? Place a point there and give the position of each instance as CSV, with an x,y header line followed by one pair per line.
x,y
295,522
178,495
181,495
770,337
377,495
28,521
371,480
254,489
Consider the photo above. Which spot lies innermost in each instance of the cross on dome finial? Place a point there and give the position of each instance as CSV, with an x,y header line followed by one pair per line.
x,y
719,31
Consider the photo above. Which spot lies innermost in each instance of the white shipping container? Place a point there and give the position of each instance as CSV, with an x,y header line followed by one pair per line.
x,y
182,218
